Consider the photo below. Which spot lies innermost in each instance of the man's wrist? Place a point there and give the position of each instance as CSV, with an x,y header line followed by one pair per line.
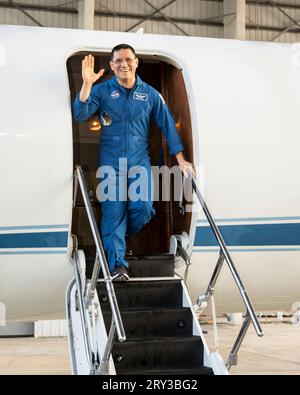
x,y
87,85
85,92
180,157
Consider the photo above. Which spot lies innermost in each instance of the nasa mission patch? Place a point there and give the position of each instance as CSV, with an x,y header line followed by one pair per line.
x,y
115,94
105,118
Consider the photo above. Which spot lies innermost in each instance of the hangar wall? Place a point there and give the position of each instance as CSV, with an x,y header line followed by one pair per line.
x,y
265,20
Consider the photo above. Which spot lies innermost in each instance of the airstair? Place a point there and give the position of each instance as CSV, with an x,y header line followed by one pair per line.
x,y
144,326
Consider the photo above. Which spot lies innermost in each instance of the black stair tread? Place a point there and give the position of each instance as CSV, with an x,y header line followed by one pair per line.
x,y
143,294
153,323
164,256
139,280
161,265
152,266
155,282
159,353
125,310
164,339
142,280
151,339
159,341
194,371
158,257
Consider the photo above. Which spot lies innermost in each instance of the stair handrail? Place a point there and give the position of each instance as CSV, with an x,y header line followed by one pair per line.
x,y
100,262
91,357
224,255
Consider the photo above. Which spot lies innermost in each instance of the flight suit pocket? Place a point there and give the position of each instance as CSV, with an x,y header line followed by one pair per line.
x,y
139,109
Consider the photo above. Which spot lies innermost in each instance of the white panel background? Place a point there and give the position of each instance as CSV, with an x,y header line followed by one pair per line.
x,y
50,328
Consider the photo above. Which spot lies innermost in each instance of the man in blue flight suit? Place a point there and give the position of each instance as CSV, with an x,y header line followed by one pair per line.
x,y
125,105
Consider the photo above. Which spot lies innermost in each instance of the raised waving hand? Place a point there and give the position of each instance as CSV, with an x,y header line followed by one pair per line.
x,y
88,76
87,70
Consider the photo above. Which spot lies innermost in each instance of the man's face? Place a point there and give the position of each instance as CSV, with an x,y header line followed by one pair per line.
x,y
124,65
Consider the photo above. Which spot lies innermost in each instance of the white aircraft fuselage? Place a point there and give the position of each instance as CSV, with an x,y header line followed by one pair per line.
x,y
244,103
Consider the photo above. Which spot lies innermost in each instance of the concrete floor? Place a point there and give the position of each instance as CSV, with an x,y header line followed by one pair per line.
x,y
28,355
278,352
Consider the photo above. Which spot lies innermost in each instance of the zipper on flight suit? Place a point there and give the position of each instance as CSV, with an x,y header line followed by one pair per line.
x,y
126,120
128,97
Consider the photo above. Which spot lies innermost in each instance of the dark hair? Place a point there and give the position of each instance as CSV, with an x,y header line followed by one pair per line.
x,y
121,46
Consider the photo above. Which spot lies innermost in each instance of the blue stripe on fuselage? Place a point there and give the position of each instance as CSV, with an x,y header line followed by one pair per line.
x,y
34,240
250,235
234,235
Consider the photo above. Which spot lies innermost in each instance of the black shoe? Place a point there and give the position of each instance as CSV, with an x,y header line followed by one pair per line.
x,y
120,274
128,252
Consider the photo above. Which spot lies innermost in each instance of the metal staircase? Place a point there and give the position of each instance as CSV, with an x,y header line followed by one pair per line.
x,y
162,333
144,326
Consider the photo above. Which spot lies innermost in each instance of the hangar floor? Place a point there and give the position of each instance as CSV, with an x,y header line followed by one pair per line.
x,y
278,352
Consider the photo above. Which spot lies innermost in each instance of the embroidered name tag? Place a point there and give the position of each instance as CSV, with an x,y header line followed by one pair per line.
x,y
140,96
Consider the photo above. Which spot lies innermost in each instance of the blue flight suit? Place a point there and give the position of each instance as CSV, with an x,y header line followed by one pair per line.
x,y
125,126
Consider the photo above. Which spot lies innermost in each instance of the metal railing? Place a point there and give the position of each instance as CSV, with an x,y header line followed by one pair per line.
x,y
224,255
100,263
91,354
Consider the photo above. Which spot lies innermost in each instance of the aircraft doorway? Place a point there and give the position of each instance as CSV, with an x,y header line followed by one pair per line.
x,y
168,80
